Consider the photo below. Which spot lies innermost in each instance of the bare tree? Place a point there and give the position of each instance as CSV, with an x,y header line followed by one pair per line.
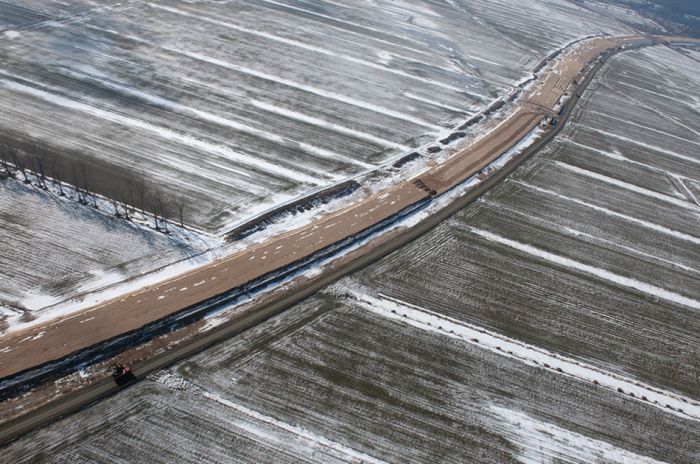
x,y
56,169
118,194
75,173
40,170
125,206
115,205
157,207
181,205
83,182
127,195
19,163
140,190
161,209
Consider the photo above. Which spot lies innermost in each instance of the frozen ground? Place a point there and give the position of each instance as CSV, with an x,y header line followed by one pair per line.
x,y
624,14
552,321
240,105
331,381
590,250
52,248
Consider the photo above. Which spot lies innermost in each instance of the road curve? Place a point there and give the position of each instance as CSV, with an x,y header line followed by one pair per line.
x,y
69,403
61,337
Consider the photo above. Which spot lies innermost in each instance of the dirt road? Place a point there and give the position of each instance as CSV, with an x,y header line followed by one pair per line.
x,y
58,338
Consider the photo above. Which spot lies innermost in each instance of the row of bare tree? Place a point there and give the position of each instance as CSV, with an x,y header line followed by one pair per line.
x,y
128,192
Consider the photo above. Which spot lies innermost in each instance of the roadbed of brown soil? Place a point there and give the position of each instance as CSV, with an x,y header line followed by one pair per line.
x,y
60,337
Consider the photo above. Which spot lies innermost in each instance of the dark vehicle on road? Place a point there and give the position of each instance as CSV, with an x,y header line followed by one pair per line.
x,y
122,375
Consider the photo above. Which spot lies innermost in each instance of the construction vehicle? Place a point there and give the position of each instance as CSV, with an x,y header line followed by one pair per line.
x,y
122,375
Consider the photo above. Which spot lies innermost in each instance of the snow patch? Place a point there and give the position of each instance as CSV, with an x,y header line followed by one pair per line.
x,y
651,290
426,319
541,441
641,222
314,439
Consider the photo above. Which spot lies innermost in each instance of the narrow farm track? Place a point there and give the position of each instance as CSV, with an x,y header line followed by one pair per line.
x,y
56,339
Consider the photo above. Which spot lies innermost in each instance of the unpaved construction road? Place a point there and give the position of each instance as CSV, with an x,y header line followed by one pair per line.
x,y
56,339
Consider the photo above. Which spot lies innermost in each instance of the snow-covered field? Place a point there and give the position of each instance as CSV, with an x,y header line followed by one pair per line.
x,y
624,14
590,250
241,105
50,247
333,381
554,320
236,107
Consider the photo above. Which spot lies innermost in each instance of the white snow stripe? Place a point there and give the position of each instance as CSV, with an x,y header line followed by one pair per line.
x,y
162,132
646,145
646,128
306,88
355,25
438,104
593,238
629,250
538,440
296,430
224,122
305,46
617,157
641,222
627,186
431,321
600,273
287,113
333,156
280,80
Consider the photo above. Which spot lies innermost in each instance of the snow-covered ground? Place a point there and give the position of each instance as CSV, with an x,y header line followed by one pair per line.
x,y
554,320
592,248
240,105
237,107
332,381
50,247
625,15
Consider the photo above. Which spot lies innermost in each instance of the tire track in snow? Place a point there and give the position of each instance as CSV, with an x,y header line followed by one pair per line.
x,y
571,232
643,287
216,119
652,109
280,80
425,319
306,88
468,111
617,157
355,25
689,194
295,115
641,126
